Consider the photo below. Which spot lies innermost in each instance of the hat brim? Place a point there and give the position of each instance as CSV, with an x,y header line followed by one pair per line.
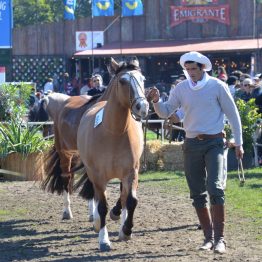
x,y
196,57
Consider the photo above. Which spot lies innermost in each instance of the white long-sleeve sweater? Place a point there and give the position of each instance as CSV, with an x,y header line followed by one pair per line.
x,y
204,108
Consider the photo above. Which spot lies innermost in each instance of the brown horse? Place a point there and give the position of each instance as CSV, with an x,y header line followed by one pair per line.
x,y
66,112
110,144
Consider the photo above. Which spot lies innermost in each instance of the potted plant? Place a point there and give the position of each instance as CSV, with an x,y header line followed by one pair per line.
x,y
22,149
249,115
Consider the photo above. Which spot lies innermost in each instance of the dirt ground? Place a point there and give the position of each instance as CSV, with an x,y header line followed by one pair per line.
x,y
165,229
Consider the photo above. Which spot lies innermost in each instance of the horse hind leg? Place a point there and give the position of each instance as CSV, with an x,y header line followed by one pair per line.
x,y
67,179
67,213
87,192
116,210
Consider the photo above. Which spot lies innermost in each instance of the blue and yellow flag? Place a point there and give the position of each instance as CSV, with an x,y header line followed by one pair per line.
x,y
102,7
132,7
69,9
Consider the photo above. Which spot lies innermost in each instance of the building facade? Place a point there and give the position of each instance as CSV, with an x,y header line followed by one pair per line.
x,y
228,31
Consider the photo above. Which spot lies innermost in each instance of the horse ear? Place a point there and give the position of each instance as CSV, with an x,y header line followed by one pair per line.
x,y
133,61
112,65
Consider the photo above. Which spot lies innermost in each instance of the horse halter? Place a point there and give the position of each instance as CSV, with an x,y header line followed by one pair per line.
x,y
136,101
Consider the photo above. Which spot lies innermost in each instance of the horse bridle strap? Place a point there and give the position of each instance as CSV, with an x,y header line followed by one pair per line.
x,y
134,100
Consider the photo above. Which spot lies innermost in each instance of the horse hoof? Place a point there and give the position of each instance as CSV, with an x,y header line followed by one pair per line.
x,y
104,247
66,216
91,218
113,216
124,237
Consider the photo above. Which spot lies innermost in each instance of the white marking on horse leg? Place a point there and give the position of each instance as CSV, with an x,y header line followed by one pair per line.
x,y
104,242
67,213
97,221
91,209
122,235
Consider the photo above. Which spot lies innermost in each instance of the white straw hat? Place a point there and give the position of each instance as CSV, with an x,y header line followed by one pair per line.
x,y
196,57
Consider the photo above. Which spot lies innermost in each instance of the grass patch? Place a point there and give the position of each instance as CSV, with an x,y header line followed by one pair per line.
x,y
7,214
244,202
166,180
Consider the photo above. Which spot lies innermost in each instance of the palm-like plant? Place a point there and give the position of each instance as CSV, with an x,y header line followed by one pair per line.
x,y
16,137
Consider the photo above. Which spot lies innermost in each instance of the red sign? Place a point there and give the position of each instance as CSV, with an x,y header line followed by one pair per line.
x,y
199,14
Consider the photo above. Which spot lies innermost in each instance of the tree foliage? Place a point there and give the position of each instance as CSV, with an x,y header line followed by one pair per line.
x,y
29,12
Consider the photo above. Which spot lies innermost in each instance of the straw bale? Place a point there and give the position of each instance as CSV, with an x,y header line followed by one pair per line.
x,y
152,154
168,157
172,156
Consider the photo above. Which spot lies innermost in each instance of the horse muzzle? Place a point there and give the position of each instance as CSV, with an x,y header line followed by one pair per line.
x,y
140,108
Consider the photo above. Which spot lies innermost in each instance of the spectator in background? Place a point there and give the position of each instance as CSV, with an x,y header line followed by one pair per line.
x,y
222,74
49,86
67,87
97,85
164,96
237,73
232,82
245,93
86,86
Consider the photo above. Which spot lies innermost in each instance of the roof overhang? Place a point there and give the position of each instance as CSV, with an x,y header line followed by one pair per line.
x,y
172,47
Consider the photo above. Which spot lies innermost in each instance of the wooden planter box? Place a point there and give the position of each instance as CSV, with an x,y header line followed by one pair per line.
x,y
30,168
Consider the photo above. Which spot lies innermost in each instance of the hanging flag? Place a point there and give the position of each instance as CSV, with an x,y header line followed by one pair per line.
x,y
102,7
69,9
132,7
6,24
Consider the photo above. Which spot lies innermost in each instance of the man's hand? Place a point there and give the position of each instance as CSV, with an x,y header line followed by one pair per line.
x,y
153,95
239,152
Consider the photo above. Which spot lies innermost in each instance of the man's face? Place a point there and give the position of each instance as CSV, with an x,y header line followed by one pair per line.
x,y
194,71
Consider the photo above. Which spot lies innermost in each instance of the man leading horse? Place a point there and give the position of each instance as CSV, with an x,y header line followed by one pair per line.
x,y
205,101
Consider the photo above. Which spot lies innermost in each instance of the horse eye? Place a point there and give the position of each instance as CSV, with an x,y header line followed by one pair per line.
x,y
123,80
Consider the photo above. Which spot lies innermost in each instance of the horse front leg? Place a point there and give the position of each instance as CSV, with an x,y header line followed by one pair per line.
x,y
125,232
100,221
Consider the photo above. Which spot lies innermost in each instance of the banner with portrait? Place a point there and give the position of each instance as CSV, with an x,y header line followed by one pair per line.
x,y
84,40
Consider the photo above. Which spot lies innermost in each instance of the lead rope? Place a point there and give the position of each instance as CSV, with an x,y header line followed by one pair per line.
x,y
240,172
144,166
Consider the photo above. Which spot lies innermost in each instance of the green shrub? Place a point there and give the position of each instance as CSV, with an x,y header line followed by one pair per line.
x,y
16,137
14,100
249,116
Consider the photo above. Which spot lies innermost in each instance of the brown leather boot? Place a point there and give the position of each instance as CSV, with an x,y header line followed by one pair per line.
x,y
218,216
206,225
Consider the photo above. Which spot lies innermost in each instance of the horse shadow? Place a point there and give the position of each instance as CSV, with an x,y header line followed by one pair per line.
x,y
34,244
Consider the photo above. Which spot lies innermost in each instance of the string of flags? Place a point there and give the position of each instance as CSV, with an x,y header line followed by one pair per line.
x,y
69,9
105,8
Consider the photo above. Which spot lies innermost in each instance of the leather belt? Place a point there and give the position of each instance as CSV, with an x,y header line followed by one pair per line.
x,y
206,136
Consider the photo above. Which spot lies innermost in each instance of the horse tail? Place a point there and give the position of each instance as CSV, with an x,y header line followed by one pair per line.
x,y
53,181
87,190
